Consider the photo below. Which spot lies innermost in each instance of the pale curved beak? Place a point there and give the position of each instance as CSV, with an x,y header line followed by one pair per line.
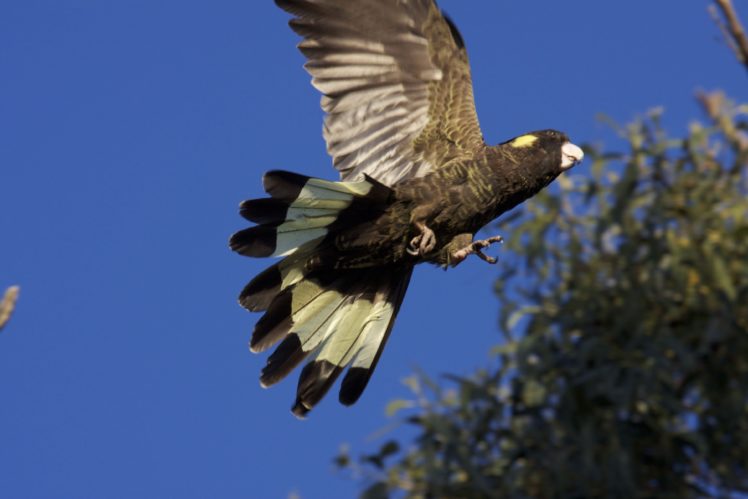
x,y
570,155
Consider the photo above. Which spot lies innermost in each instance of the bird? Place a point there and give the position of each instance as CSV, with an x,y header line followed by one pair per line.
x,y
417,182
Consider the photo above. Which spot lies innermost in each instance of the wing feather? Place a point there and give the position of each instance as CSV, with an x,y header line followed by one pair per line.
x,y
396,85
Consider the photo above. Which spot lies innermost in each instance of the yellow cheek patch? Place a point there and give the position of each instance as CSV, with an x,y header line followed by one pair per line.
x,y
524,141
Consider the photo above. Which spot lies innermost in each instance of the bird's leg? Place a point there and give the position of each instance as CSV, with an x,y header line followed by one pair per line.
x,y
424,242
475,247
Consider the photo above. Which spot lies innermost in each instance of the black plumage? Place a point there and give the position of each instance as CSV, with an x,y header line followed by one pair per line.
x,y
417,183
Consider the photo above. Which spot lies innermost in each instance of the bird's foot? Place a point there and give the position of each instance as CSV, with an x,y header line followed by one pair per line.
x,y
423,243
475,248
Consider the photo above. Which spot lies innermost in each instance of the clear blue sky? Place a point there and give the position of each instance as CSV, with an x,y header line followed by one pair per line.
x,y
129,133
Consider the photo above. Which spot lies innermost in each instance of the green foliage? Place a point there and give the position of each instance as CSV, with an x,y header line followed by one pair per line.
x,y
624,302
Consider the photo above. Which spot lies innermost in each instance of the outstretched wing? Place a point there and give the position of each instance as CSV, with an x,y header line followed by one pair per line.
x,y
396,85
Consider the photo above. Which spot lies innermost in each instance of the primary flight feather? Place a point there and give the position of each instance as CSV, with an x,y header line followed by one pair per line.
x,y
417,183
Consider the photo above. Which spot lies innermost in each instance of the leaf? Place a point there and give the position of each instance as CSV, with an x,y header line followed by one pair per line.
x,y
533,393
721,274
508,348
390,448
397,405
517,315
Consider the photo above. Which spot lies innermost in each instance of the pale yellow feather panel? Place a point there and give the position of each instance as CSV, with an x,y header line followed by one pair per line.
x,y
313,321
316,206
291,271
338,348
286,243
314,185
373,335
326,204
295,212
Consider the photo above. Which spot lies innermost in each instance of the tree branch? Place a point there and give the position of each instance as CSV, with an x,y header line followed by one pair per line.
x,y
7,304
731,28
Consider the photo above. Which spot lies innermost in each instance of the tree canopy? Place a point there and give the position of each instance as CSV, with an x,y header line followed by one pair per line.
x,y
624,304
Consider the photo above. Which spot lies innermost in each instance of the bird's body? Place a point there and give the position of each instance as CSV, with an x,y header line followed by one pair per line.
x,y
454,200
418,183
464,196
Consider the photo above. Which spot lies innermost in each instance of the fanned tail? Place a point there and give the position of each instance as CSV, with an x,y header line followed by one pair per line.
x,y
341,316
345,319
302,209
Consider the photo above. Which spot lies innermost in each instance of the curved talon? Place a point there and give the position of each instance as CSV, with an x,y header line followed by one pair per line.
x,y
428,241
414,246
489,259
423,243
484,243
476,247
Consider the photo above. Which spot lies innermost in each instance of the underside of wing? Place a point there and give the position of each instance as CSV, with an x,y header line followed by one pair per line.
x,y
396,85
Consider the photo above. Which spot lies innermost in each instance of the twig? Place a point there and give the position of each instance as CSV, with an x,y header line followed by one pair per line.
x,y
722,113
732,29
712,103
7,304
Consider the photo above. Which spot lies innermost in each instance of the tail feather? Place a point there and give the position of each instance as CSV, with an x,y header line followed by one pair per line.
x,y
314,302
372,342
266,240
260,292
271,211
315,381
313,321
273,325
359,342
293,186
283,185
334,354
344,321
302,210
282,361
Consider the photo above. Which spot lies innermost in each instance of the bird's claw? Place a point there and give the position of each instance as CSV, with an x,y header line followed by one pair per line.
x,y
411,250
423,243
475,248
489,259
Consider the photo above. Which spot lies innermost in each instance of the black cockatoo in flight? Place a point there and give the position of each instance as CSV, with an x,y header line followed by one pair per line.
x,y
417,183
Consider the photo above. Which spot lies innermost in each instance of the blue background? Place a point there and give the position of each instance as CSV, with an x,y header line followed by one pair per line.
x,y
129,133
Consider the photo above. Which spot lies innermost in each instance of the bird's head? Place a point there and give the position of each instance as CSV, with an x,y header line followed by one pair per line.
x,y
545,152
